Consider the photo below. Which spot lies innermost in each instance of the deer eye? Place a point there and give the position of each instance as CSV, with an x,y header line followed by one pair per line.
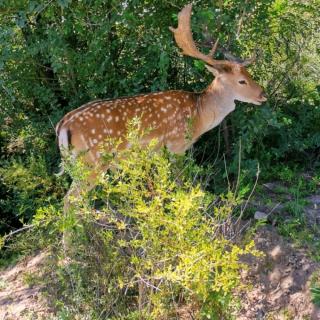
x,y
242,82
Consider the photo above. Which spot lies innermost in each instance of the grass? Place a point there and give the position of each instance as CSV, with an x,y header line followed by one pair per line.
x,y
9,258
315,289
291,189
3,284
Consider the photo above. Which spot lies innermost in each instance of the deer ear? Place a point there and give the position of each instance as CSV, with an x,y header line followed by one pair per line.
x,y
218,69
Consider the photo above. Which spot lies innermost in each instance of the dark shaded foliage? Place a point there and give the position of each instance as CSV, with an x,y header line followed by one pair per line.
x,y
56,55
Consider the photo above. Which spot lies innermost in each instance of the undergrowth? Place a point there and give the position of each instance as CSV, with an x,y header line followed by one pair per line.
x,y
148,243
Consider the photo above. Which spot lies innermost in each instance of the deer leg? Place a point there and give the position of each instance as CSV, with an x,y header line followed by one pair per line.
x,y
76,192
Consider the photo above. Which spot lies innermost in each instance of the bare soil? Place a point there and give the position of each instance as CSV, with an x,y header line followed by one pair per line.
x,y
20,298
279,283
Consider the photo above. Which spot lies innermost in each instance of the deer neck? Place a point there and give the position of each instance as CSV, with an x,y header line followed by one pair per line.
x,y
213,105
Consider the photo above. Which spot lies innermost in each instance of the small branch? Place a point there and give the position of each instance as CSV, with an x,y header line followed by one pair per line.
x,y
250,195
226,137
149,285
27,227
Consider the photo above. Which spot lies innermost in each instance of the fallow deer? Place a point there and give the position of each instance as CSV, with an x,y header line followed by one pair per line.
x,y
168,113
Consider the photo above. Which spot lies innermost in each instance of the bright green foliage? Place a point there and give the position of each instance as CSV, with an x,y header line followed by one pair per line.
x,y
56,55
315,291
155,239
315,288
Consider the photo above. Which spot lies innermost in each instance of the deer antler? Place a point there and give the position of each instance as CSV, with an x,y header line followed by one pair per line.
x,y
226,53
184,39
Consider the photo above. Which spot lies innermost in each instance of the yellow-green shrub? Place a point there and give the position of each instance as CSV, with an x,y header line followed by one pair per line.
x,y
154,244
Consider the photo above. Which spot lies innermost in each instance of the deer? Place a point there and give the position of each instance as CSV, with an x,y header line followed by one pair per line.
x,y
168,113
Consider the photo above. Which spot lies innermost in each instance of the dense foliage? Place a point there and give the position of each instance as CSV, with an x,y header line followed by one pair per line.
x,y
56,55
157,246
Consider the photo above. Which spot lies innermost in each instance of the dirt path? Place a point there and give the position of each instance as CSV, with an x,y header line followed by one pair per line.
x,y
278,285
280,282
19,299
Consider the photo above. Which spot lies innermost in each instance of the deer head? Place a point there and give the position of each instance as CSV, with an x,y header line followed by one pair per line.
x,y
230,75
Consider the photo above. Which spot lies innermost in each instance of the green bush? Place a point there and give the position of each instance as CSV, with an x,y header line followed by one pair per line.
x,y
55,56
156,242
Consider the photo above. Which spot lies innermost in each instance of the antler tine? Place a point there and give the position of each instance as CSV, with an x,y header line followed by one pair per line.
x,y
214,48
184,39
210,40
257,53
229,56
247,62
244,62
226,53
